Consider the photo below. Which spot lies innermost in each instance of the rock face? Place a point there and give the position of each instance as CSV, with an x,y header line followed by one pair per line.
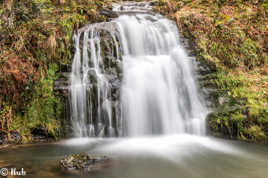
x,y
96,77
83,163
62,83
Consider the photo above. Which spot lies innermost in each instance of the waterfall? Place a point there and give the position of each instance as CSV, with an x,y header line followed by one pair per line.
x,y
132,77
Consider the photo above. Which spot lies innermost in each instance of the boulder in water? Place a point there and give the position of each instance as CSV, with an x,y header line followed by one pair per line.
x,y
83,163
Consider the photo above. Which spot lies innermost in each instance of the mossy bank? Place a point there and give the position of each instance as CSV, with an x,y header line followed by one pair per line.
x,y
35,43
230,38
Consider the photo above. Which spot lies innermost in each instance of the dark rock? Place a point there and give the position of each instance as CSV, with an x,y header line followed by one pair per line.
x,y
41,135
3,138
84,163
61,85
15,137
108,13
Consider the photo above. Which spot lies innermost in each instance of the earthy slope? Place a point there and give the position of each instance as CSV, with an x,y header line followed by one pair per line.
x,y
35,43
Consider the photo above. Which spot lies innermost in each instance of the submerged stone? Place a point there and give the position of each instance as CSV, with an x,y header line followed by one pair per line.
x,y
84,163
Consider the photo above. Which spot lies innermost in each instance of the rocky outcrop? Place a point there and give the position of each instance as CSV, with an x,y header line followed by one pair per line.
x,y
102,78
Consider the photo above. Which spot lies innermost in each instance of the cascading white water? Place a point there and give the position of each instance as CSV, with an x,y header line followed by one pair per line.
x,y
132,6
91,110
158,94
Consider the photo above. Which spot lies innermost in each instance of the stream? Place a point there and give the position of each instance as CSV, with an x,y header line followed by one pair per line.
x,y
174,156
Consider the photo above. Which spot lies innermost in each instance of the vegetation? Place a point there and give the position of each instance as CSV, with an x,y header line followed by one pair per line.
x,y
232,36
35,42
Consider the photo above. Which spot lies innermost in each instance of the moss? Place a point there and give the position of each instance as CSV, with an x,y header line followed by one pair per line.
x,y
235,121
35,41
242,108
230,34
44,109
256,133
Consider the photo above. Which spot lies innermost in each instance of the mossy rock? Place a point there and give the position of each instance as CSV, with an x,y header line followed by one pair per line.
x,y
238,124
255,133
84,163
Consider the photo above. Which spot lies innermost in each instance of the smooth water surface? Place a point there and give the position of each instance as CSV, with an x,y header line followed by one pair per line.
x,y
176,156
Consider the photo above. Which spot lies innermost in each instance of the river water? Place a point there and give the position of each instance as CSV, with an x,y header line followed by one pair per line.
x,y
174,156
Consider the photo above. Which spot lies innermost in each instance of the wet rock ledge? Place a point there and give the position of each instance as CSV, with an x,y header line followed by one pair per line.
x,y
84,163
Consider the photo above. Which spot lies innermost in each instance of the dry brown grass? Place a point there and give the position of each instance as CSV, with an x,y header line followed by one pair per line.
x,y
15,73
52,43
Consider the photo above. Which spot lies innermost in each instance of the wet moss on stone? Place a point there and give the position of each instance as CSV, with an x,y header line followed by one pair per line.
x,y
230,35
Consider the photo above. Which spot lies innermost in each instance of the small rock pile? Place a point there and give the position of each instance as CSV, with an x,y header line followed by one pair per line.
x,y
13,138
83,163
